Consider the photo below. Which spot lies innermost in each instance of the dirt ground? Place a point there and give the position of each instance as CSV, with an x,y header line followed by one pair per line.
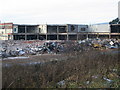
x,y
87,69
33,59
43,58
75,67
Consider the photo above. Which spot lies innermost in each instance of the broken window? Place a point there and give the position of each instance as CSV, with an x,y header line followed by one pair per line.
x,y
83,29
62,37
52,29
72,28
39,30
72,37
115,28
14,29
52,37
62,29
21,29
31,29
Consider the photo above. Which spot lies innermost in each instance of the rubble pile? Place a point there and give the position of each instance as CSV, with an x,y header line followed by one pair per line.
x,y
20,48
24,48
101,43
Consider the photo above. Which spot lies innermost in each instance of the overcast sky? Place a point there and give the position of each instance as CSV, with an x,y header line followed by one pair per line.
x,y
58,11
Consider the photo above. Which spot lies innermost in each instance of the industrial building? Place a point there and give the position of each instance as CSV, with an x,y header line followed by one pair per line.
x,y
10,31
6,31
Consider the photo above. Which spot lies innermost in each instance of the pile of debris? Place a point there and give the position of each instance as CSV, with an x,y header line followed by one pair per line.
x,y
25,48
99,43
31,49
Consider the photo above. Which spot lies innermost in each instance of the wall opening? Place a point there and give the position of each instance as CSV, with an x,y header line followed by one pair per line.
x,y
21,29
92,36
51,37
51,29
62,29
62,37
72,37
31,29
115,36
42,37
31,37
19,37
82,37
104,36
115,28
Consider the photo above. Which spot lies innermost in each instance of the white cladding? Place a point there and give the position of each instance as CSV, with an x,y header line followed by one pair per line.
x,y
42,29
99,28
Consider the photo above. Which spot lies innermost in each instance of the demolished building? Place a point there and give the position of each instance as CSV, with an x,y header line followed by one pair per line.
x,y
10,31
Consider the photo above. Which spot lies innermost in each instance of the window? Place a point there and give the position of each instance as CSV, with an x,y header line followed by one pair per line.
x,y
14,29
2,27
72,28
82,29
39,30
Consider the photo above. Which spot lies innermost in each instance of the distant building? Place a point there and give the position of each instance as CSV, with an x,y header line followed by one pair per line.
x,y
47,31
115,30
6,30
10,31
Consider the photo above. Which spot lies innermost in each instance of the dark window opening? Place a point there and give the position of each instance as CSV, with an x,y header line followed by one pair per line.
x,y
83,29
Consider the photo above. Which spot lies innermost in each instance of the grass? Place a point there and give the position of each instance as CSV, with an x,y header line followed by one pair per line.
x,y
79,70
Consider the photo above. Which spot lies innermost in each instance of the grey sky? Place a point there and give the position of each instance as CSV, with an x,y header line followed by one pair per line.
x,y
58,11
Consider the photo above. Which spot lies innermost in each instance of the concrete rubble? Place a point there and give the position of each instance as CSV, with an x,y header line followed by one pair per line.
x,y
20,48
101,43
24,48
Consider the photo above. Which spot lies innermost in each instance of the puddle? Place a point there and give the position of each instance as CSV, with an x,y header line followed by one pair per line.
x,y
6,65
15,58
23,64
30,63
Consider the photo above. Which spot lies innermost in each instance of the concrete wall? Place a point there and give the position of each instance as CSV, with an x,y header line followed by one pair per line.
x,y
82,28
5,31
99,28
56,32
5,34
72,28
42,29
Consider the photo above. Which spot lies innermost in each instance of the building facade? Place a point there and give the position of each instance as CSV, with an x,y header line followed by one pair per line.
x,y
48,31
6,31
10,31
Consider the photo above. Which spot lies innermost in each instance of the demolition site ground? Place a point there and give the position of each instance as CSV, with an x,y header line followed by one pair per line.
x,y
82,64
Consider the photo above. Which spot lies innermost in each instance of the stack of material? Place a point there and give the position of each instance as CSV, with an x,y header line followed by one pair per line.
x,y
99,43
20,48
